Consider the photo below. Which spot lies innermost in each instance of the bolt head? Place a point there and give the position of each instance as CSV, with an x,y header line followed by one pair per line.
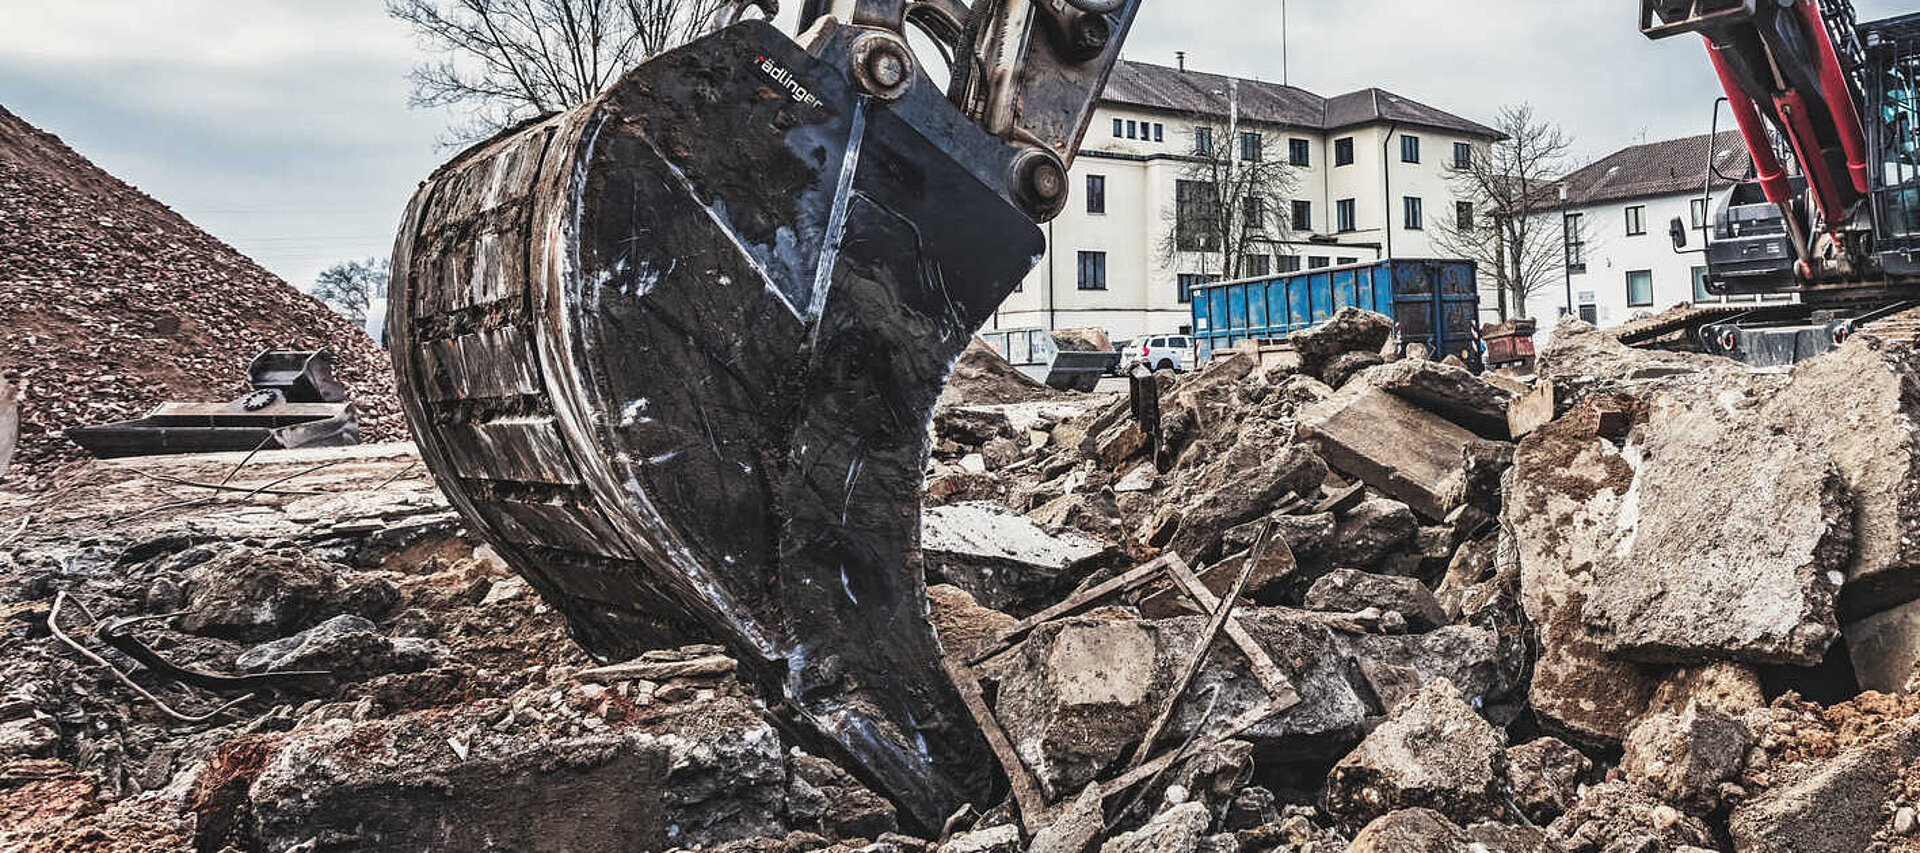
x,y
887,68
1048,181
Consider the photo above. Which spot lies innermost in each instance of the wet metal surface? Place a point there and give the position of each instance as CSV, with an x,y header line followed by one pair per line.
x,y
675,352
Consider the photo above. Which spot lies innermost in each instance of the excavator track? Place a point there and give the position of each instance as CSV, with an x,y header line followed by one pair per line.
x,y
674,354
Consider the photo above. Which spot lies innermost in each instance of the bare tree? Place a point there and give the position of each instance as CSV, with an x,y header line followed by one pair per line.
x,y
350,287
506,61
1230,201
1515,231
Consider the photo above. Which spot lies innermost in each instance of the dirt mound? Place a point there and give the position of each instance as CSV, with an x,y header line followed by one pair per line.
x,y
111,303
982,377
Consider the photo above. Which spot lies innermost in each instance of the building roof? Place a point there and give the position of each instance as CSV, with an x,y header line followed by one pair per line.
x,y
1667,167
1143,84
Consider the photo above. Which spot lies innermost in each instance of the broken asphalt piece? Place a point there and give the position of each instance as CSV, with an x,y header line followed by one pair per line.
x,y
1413,830
1835,804
346,647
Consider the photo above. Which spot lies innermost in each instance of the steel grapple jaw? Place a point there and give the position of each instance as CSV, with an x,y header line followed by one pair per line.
x,y
674,354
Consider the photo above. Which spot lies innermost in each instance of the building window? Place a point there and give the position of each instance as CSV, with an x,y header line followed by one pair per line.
x,y
1133,129
1463,155
1250,147
1255,266
1589,313
1636,220
1341,262
1159,132
1203,141
1343,151
1639,288
1699,208
1093,270
1317,262
1194,206
1463,216
1186,282
1302,215
1299,152
1410,215
1254,213
1576,244
1409,148
1700,293
1343,216
1118,128
1289,263
1096,194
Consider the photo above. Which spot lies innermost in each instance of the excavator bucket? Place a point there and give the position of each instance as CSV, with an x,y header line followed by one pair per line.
x,y
674,353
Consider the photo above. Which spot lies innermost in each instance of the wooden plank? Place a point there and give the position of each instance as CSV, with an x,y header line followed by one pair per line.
x,y
1278,686
1198,657
1026,790
1138,576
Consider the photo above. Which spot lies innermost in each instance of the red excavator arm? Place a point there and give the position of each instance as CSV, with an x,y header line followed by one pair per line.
x,y
1792,66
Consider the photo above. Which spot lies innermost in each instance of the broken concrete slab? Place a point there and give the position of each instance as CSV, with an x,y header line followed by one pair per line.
x,y
706,773
1563,501
1342,368
1451,392
1752,580
1432,752
1002,558
1684,758
1176,830
1350,591
1245,483
1532,410
1885,648
1394,446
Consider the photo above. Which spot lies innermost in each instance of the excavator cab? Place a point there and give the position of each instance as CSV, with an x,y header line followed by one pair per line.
x,y
674,352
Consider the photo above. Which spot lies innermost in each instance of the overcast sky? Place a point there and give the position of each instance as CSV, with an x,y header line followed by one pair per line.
x,y
282,126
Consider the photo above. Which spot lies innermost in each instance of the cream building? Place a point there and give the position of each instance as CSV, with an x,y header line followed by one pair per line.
x,y
1371,175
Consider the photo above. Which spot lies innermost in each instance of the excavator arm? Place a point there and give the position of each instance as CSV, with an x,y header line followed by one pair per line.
x,y
674,352
1792,68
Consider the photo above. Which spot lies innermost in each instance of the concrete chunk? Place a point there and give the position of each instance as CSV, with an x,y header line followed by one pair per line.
x,y
1002,558
1451,392
1731,542
1563,500
1432,752
1396,447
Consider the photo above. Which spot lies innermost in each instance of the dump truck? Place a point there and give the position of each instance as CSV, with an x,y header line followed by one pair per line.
x,y
674,352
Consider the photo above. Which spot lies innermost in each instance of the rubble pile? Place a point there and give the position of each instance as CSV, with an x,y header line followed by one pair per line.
x,y
1330,601
111,303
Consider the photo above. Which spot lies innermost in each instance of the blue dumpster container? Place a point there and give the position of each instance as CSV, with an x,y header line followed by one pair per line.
x,y
1434,302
